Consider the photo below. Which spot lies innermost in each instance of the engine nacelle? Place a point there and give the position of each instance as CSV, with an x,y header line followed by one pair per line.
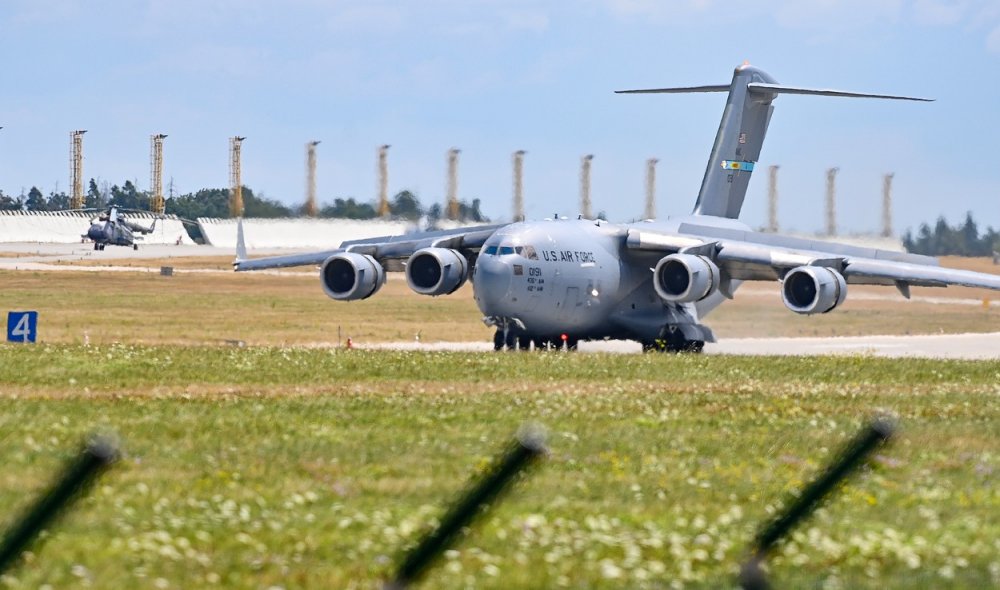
x,y
685,278
436,271
349,276
813,289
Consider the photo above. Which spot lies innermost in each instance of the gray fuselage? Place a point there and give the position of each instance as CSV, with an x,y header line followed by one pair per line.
x,y
578,277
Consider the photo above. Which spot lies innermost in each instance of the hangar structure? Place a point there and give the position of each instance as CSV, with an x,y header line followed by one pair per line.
x,y
67,227
298,232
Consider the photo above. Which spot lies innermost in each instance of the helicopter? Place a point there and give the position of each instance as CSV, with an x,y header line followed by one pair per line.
x,y
110,227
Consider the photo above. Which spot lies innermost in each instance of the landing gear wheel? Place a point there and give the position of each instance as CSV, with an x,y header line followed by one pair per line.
x,y
97,246
671,339
694,346
135,247
523,343
498,340
510,340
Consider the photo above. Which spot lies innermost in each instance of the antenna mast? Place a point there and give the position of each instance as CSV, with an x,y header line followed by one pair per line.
x,y
518,158
235,177
383,180
650,212
76,168
311,209
772,199
831,201
156,172
453,183
585,186
887,205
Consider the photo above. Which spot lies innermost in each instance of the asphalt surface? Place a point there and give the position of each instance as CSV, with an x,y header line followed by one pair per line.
x,y
945,346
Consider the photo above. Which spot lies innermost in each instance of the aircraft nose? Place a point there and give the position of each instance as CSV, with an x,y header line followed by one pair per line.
x,y
492,284
95,232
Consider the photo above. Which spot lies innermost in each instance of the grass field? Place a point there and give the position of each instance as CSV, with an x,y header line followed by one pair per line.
x,y
291,463
312,468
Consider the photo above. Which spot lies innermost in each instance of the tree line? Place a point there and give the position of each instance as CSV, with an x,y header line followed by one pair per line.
x,y
944,240
214,202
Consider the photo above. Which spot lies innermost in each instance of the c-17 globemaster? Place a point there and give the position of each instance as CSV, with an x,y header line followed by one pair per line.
x,y
556,282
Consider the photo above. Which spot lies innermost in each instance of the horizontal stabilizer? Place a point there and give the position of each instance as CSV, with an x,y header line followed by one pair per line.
x,y
758,87
678,90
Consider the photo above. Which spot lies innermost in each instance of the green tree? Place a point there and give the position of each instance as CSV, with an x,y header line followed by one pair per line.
x,y
36,200
254,206
94,199
58,201
968,236
9,203
129,197
207,202
348,209
944,240
471,212
406,205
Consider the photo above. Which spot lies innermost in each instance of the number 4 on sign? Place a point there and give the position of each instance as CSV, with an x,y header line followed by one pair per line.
x,y
22,326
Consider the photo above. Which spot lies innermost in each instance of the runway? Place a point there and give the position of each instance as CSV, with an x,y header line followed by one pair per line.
x,y
938,346
61,257
43,257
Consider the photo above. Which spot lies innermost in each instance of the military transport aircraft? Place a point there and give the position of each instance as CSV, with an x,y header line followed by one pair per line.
x,y
111,227
556,282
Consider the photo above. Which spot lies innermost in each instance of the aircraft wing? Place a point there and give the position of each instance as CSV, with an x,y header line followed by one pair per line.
x,y
381,248
756,256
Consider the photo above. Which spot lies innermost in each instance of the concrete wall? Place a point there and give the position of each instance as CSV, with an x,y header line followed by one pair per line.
x,y
296,233
67,227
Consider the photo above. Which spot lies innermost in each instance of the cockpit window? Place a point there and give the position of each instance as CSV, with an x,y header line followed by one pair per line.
x,y
528,252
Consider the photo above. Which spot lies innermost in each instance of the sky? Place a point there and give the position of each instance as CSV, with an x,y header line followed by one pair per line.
x,y
493,76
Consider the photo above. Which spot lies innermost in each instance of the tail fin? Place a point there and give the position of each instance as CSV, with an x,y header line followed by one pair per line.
x,y
241,246
741,134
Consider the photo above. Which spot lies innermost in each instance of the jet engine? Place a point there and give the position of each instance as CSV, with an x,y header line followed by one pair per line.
x,y
684,278
349,276
436,271
813,289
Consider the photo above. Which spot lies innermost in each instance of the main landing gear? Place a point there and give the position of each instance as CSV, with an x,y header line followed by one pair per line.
x,y
672,339
512,341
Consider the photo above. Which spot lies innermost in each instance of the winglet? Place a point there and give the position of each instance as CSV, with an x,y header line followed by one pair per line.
x,y
241,246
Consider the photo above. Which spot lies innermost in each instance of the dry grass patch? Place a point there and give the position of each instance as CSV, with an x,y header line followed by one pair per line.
x,y
178,262
291,308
